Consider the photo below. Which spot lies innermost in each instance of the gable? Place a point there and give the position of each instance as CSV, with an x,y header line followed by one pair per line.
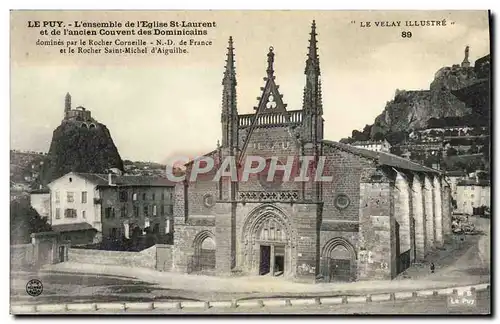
x,y
270,113
271,101
72,179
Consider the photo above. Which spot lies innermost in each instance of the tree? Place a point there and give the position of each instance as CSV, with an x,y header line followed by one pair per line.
x,y
451,151
397,137
24,220
367,130
358,136
135,237
378,137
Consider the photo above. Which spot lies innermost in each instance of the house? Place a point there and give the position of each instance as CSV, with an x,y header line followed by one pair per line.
x,y
89,207
472,194
377,146
453,177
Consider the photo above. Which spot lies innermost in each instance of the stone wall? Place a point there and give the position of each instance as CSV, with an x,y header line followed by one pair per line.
x,y
420,217
183,250
346,170
447,208
347,235
438,212
164,257
21,255
402,210
266,143
376,230
143,259
429,213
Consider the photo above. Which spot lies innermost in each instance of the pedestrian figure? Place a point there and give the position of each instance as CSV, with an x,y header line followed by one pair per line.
x,y
432,267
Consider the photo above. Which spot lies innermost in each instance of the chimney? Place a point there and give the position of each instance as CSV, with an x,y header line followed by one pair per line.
x,y
110,179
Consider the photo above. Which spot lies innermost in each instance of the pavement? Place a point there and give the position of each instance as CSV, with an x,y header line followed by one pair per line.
x,y
466,300
459,263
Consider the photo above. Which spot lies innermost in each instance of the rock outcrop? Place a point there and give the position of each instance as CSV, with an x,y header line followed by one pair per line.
x,y
411,110
80,149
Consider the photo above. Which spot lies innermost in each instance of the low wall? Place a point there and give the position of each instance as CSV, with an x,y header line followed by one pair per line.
x,y
22,255
164,261
143,259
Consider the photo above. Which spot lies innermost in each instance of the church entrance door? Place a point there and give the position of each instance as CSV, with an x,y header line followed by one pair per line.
x,y
267,246
265,260
340,270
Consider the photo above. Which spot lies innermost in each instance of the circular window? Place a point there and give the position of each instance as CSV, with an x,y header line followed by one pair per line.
x,y
342,201
208,200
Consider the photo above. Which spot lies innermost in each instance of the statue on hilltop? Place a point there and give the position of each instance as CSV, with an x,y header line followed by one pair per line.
x,y
465,62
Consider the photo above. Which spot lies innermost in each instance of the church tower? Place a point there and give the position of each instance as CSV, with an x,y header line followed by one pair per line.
x,y
67,104
229,116
312,109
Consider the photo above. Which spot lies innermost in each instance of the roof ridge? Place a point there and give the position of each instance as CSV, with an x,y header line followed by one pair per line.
x,y
201,156
376,156
350,149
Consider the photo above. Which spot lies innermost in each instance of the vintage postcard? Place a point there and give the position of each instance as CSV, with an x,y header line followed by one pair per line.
x,y
250,162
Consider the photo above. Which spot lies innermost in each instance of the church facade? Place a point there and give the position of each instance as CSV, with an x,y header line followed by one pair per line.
x,y
376,215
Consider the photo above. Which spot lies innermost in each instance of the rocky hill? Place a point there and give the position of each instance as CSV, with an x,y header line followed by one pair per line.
x,y
413,109
24,165
80,149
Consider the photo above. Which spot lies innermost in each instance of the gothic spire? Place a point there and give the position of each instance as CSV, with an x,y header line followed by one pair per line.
x,y
229,117
312,63
312,105
230,72
312,89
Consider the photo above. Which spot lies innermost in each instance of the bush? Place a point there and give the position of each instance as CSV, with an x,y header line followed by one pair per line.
x,y
24,220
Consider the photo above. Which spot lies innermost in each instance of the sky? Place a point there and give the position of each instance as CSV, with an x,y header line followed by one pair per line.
x,y
158,106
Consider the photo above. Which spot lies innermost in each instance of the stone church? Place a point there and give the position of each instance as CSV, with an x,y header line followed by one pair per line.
x,y
378,215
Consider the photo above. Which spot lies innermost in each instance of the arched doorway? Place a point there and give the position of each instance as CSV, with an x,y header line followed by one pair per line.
x,y
338,260
268,243
204,251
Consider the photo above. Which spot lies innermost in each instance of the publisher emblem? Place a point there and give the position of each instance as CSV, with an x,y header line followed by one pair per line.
x,y
34,287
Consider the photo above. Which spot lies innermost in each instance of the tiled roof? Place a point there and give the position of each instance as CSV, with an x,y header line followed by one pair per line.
x,y
368,143
455,173
382,158
40,191
72,227
126,180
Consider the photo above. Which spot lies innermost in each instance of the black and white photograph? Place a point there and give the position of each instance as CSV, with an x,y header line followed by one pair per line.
x,y
237,162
